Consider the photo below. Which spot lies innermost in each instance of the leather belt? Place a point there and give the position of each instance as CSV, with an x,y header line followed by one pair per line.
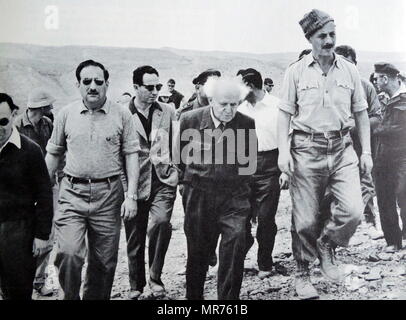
x,y
326,134
90,180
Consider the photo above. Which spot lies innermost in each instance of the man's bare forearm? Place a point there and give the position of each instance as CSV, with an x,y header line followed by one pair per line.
x,y
133,170
363,130
52,162
283,131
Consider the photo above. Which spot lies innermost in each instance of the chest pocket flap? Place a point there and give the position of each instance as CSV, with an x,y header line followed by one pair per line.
x,y
342,83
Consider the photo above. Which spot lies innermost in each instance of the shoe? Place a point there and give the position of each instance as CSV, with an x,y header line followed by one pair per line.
x,y
328,266
264,274
392,249
44,291
157,287
303,286
213,259
134,294
374,233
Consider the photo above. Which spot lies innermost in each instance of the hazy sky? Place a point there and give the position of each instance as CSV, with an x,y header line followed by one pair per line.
x,y
259,26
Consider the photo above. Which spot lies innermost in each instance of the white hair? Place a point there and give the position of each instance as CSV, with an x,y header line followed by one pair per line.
x,y
215,84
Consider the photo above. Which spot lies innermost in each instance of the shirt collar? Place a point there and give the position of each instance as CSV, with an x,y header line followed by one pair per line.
x,y
213,117
402,89
105,107
133,108
309,60
26,121
14,139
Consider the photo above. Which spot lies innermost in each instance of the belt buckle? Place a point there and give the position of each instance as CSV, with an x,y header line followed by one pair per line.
x,y
328,134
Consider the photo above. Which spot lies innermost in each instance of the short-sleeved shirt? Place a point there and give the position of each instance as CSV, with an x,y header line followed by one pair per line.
x,y
40,134
322,102
265,114
95,141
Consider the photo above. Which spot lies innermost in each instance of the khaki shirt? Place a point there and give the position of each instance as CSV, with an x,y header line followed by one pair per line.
x,y
318,102
95,141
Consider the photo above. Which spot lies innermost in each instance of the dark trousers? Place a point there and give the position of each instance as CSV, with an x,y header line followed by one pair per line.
x,y
91,210
390,178
264,199
211,211
159,209
17,264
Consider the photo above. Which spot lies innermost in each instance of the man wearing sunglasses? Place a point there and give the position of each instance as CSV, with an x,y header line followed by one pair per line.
x,y
176,97
26,206
157,183
97,136
35,124
268,84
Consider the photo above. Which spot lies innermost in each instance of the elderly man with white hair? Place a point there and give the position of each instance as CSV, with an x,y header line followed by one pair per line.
x,y
218,148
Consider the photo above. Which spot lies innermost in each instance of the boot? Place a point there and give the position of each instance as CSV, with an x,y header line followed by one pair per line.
x,y
303,286
328,266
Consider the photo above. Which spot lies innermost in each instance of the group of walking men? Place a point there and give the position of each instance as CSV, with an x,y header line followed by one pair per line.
x,y
232,151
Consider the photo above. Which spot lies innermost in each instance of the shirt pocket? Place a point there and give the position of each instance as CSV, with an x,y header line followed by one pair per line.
x,y
308,92
343,90
111,142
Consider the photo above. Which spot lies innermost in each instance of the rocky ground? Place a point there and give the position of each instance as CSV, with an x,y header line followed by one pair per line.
x,y
370,273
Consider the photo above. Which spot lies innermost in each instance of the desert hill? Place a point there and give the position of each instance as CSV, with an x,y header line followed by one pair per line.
x,y
24,67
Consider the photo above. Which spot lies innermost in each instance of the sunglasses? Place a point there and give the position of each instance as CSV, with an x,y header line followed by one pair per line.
x,y
171,85
87,82
4,122
150,87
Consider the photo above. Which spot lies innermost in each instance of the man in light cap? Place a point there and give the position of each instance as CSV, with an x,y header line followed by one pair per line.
x,y
320,93
213,142
390,163
34,124
199,98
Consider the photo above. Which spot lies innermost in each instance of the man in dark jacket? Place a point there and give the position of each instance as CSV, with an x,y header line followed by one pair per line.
x,y
390,164
26,206
215,170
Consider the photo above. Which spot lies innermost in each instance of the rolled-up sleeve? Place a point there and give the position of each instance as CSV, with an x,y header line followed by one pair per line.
x,y
130,142
289,93
358,102
57,143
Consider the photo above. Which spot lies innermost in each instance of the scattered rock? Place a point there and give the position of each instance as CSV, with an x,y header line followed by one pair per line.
x,y
385,256
373,257
116,295
354,283
374,274
373,285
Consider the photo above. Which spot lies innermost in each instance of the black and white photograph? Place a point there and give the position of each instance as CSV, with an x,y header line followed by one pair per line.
x,y
189,150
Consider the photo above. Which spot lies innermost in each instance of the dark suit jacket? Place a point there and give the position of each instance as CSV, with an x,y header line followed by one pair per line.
x,y
199,162
158,152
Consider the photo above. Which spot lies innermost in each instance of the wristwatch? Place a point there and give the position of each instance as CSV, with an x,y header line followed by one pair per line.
x,y
132,197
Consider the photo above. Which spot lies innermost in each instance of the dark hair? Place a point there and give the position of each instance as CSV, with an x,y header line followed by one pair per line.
x,y
93,63
4,97
126,94
251,76
346,51
138,74
171,81
268,81
304,52
372,78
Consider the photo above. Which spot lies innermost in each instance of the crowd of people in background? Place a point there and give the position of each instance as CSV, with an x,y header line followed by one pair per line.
x,y
334,139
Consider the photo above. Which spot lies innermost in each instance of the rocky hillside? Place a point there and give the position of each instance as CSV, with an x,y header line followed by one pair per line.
x,y
24,67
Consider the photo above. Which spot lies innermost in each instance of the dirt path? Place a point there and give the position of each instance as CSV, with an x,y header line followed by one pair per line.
x,y
370,274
